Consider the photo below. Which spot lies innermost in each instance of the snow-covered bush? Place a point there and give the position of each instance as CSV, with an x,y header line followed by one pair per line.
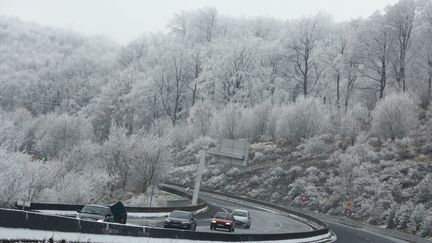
x,y
423,190
22,178
255,122
301,120
227,122
403,214
297,188
85,155
200,117
200,143
426,226
354,122
58,134
182,135
81,188
394,117
149,159
319,145
15,129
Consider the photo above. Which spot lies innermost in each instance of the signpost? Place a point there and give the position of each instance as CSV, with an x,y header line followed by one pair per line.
x,y
229,151
23,204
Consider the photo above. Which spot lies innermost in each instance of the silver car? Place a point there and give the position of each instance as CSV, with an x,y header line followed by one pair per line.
x,y
242,218
95,213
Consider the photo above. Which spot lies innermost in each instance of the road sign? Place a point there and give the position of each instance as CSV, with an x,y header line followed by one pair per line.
x,y
348,213
304,197
231,151
349,205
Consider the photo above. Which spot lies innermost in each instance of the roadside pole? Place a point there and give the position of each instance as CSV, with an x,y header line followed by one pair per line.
x,y
200,171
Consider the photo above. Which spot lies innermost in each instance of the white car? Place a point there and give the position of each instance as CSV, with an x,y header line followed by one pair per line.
x,y
242,218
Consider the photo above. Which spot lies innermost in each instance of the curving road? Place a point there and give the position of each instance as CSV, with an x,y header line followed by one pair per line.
x,y
274,222
263,220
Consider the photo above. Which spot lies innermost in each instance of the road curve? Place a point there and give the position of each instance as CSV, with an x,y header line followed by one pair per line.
x,y
263,220
274,222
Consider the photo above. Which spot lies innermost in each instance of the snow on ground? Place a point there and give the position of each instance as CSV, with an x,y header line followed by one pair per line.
x,y
15,234
130,214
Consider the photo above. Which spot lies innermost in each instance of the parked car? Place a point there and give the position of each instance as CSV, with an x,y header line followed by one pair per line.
x,y
222,220
113,213
242,218
180,220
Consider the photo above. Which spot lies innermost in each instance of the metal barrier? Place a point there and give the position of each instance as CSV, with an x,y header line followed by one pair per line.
x,y
74,207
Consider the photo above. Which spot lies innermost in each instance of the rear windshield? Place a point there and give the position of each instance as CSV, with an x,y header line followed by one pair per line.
x,y
91,209
181,215
240,213
223,216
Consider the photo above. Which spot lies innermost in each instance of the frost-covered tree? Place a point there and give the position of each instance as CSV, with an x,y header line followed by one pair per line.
x,y
301,120
55,135
200,117
304,42
394,117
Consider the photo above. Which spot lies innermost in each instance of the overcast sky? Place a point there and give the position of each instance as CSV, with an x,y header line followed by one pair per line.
x,y
124,20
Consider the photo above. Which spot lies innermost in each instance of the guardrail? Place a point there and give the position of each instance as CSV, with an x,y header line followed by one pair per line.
x,y
74,207
313,216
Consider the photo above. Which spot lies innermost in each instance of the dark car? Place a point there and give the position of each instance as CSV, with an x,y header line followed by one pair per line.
x,y
114,213
180,220
223,220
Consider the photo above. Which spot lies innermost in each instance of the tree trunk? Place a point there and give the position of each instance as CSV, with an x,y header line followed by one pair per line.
x,y
383,78
337,90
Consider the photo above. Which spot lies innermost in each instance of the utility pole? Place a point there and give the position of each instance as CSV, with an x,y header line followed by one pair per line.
x,y
200,171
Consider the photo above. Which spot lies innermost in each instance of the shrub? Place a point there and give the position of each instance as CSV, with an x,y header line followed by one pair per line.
x,y
200,117
301,120
226,123
394,117
423,190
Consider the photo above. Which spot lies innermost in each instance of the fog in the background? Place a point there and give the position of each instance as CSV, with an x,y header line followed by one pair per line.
x,y
125,20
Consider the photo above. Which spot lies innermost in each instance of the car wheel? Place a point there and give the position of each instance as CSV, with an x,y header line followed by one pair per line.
x,y
194,228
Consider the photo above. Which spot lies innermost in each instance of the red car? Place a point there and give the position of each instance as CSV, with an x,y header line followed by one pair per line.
x,y
222,220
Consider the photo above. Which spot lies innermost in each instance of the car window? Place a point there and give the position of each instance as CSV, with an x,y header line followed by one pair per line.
x,y
240,213
181,215
223,216
95,210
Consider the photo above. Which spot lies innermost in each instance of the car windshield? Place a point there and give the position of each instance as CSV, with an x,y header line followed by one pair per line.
x,y
90,209
222,216
181,215
239,213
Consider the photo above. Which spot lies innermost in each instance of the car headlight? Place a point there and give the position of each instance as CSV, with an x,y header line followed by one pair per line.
x,y
167,220
228,223
100,220
213,221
